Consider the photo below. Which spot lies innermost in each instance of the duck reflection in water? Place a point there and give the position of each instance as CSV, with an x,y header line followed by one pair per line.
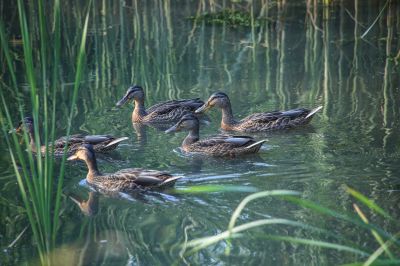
x,y
89,207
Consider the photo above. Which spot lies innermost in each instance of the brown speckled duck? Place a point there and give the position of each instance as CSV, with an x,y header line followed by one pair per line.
x,y
257,122
101,143
220,145
126,180
165,112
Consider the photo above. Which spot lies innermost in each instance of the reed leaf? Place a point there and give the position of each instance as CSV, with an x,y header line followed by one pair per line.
x,y
35,174
6,51
213,188
201,243
316,243
77,81
381,249
373,232
255,196
324,210
367,202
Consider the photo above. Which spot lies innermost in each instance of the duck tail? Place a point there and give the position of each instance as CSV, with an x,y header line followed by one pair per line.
x,y
115,141
313,111
170,181
258,144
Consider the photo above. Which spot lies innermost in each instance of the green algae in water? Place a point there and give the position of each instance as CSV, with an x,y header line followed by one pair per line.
x,y
229,17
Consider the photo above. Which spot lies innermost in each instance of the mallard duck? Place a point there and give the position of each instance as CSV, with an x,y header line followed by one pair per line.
x,y
259,121
165,112
125,180
102,143
220,145
89,207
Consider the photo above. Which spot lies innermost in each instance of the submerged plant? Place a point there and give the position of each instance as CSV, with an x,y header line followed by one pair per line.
x,y
229,17
389,243
39,182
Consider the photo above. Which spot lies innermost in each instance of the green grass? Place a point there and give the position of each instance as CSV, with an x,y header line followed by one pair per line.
x,y
387,252
40,183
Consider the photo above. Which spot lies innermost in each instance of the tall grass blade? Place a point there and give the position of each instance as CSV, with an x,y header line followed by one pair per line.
x,y
35,174
320,209
250,198
367,202
395,262
213,188
255,196
20,181
373,232
6,51
55,80
381,249
78,77
317,243
201,243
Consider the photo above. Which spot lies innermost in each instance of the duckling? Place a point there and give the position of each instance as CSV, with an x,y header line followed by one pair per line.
x,y
102,143
126,180
165,112
220,145
257,122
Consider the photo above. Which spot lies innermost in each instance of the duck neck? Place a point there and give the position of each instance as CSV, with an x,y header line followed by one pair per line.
x,y
227,117
192,137
32,142
92,166
140,111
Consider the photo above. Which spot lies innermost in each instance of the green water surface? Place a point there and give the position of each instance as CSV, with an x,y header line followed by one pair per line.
x,y
282,62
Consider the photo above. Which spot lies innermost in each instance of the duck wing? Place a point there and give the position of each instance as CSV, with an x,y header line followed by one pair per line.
x,y
226,141
96,139
166,107
72,141
140,177
275,115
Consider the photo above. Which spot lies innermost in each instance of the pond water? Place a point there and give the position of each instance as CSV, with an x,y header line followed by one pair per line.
x,y
283,62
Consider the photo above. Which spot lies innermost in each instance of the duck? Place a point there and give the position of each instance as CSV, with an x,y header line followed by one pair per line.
x,y
102,143
164,112
125,180
220,145
257,122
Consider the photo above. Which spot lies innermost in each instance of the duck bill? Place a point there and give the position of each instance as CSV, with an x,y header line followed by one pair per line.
x,y
122,101
172,129
14,130
202,109
72,158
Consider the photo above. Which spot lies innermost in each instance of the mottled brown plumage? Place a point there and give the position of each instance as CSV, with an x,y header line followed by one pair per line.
x,y
125,180
220,145
101,143
257,122
165,112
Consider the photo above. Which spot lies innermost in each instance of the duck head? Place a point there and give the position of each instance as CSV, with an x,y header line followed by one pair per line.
x,y
25,125
187,122
85,152
133,93
218,99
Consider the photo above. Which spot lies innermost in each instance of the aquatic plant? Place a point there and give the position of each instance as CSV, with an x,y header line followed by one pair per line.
x,y
389,243
229,17
39,182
